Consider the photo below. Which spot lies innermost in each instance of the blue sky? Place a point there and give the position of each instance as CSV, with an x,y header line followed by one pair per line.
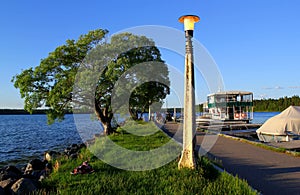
x,y
255,43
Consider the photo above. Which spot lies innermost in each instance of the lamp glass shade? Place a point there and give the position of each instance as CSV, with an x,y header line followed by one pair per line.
x,y
189,21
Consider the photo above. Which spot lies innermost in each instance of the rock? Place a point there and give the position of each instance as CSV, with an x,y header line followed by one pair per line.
x,y
28,169
6,184
82,145
42,178
24,186
9,172
97,135
67,150
48,168
90,142
56,165
14,169
37,164
72,151
75,146
2,191
39,175
73,156
34,165
51,155
29,176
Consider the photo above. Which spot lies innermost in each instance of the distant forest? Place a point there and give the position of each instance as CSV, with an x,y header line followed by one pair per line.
x,y
24,112
275,105
264,105
270,105
19,111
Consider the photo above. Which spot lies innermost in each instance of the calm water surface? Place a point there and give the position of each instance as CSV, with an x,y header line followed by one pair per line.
x,y
24,137
261,117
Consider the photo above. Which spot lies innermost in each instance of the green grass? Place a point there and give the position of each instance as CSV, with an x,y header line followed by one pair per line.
x,y
145,137
166,179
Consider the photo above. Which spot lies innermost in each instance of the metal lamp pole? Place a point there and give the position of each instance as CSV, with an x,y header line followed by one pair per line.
x,y
189,123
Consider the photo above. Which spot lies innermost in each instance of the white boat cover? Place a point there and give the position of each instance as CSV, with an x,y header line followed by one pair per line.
x,y
287,122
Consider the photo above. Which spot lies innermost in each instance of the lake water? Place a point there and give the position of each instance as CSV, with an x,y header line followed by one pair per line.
x,y
261,117
24,137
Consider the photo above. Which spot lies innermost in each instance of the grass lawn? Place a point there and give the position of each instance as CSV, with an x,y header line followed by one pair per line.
x,y
166,179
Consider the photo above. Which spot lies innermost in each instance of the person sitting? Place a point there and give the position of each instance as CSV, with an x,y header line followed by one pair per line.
x,y
83,169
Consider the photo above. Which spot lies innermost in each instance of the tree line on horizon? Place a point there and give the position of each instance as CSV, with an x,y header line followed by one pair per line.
x,y
269,105
275,105
263,105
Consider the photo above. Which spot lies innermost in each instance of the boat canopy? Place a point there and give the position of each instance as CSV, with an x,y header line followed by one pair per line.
x,y
288,121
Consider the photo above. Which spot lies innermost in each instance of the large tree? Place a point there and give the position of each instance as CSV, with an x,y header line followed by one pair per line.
x,y
82,74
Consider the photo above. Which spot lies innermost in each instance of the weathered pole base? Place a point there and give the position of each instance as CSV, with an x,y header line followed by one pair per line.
x,y
187,160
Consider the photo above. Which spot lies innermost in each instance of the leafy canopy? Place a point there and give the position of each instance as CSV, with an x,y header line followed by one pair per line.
x,y
83,73
50,84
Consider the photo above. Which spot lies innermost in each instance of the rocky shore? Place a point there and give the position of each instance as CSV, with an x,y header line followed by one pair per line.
x,y
28,179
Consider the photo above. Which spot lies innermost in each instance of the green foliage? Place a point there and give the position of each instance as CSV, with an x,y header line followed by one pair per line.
x,y
163,180
119,73
51,83
276,105
83,74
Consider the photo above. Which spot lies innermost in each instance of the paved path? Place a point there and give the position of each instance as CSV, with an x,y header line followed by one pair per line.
x,y
267,171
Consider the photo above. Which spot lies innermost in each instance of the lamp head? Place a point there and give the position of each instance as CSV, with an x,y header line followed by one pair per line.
x,y
189,23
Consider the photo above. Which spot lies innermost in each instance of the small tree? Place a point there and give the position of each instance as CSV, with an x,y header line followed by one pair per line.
x,y
82,75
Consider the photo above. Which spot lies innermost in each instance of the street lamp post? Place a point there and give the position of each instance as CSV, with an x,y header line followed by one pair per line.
x,y
189,122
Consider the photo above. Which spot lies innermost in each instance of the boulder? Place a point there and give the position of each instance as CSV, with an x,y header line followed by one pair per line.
x,y
2,191
56,165
39,175
97,135
51,155
75,146
67,150
72,151
90,142
48,168
73,156
37,164
24,186
6,184
82,145
14,169
10,172
34,165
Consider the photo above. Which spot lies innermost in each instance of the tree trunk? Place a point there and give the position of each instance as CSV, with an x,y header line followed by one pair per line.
x,y
105,117
134,114
107,128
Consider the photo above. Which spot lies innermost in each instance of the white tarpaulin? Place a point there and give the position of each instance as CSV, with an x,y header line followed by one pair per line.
x,y
287,122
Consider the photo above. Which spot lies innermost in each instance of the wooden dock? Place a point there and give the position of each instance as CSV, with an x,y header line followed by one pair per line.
x,y
215,125
225,125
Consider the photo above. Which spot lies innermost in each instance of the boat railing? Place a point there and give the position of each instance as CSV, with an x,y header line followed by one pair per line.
x,y
226,104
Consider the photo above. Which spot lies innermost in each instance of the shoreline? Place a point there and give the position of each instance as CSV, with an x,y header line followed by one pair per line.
x,y
23,178
22,161
21,112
